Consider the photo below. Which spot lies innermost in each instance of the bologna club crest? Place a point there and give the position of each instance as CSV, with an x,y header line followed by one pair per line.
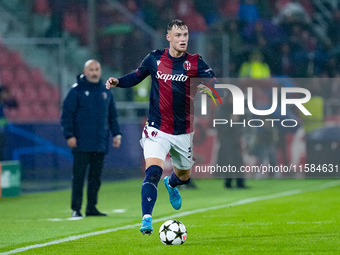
x,y
186,65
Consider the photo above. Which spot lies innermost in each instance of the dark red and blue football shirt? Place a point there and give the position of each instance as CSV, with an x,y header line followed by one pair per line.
x,y
170,97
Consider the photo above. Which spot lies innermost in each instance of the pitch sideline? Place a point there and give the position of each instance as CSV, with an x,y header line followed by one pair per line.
x,y
240,202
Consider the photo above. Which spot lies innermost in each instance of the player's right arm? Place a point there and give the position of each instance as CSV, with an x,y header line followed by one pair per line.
x,y
131,79
111,82
205,72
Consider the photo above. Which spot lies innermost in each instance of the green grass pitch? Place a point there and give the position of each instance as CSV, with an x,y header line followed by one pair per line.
x,y
272,217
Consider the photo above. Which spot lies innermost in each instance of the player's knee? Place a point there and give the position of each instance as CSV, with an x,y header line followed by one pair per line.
x,y
154,161
153,174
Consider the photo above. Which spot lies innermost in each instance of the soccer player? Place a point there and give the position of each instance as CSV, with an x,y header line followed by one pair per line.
x,y
169,128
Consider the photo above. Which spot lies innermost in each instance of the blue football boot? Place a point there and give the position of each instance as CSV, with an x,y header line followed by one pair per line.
x,y
174,196
146,227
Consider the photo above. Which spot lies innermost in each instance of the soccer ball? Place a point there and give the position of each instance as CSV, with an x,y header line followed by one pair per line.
x,y
173,232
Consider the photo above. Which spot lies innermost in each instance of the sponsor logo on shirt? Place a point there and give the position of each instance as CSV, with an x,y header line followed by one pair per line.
x,y
171,77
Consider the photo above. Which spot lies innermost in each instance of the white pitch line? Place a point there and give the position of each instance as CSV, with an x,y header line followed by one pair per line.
x,y
119,211
240,202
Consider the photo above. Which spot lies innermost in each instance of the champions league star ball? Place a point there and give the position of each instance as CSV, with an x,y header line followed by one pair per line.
x,y
172,232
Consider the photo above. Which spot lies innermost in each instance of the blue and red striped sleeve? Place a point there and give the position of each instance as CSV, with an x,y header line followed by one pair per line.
x,y
204,71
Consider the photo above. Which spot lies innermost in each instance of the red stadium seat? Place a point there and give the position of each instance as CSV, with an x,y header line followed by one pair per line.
x,y
3,48
3,59
38,111
6,76
14,59
45,94
35,86
37,75
30,94
55,98
53,112
18,94
22,75
24,112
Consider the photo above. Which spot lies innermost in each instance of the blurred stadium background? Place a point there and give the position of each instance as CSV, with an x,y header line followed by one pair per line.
x,y
44,44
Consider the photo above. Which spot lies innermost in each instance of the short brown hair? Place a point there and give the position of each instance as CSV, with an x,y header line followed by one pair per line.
x,y
177,23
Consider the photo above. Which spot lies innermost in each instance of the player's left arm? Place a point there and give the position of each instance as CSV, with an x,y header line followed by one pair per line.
x,y
208,78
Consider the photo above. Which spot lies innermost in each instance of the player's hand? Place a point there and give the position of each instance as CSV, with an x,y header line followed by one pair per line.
x,y
202,87
111,82
117,140
72,142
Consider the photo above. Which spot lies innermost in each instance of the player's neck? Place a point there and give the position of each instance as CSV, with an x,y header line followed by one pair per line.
x,y
174,53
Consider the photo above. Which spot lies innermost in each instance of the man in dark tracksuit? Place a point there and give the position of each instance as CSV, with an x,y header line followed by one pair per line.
x,y
89,114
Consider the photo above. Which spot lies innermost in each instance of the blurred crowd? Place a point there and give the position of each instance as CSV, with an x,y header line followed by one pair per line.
x,y
267,38
279,33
